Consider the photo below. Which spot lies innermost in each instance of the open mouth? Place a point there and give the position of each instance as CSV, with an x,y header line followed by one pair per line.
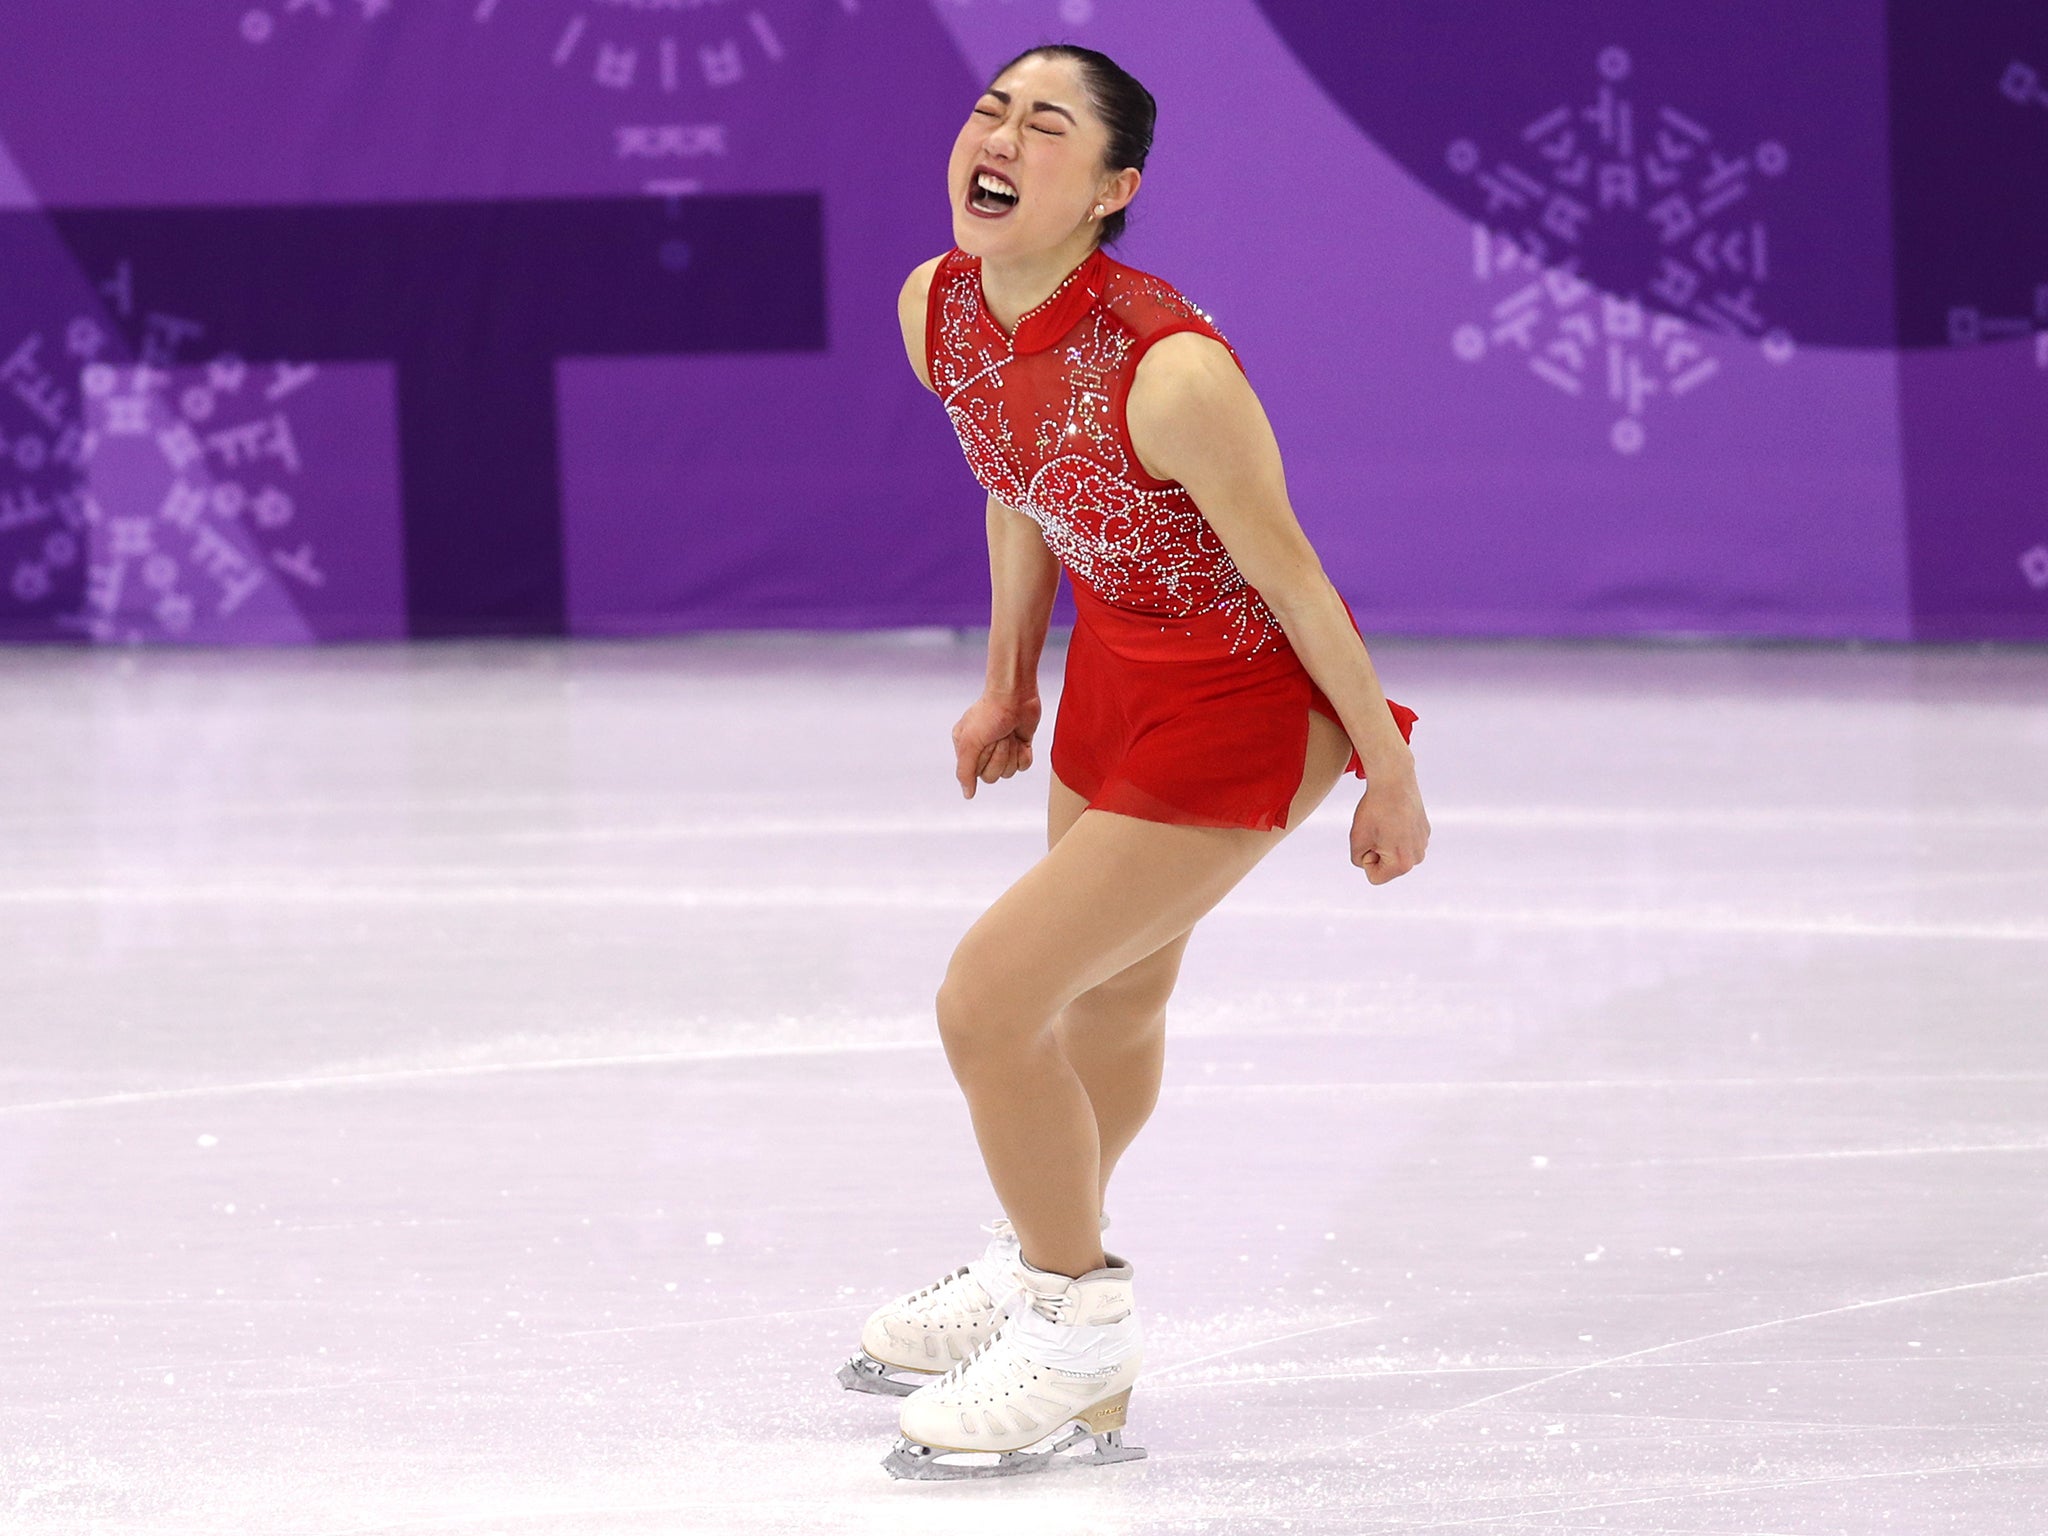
x,y
991,196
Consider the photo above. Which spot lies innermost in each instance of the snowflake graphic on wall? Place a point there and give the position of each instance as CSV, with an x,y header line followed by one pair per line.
x,y
1653,191
1971,325
1974,325
2021,85
145,488
637,56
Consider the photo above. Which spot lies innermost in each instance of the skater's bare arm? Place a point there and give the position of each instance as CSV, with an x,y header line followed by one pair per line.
x,y
1023,577
1194,418
910,308
993,739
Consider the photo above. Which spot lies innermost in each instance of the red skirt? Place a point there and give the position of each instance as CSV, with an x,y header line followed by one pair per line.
x,y
1201,740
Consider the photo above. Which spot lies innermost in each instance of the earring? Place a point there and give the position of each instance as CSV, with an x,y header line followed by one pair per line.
x,y
1097,213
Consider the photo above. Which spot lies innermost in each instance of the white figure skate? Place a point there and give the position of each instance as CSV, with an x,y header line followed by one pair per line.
x,y
1056,1372
918,1337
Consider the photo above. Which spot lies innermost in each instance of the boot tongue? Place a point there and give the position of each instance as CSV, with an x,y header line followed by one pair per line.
x,y
996,1270
992,1290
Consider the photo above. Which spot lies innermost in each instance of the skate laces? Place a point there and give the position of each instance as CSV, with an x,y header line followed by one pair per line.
x,y
960,1366
935,1293
992,1273
987,1346
1006,1312
1054,1309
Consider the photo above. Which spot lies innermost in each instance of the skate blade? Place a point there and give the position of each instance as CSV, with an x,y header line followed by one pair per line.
x,y
916,1461
864,1373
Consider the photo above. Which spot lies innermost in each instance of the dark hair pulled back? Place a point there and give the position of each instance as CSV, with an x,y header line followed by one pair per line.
x,y
1126,108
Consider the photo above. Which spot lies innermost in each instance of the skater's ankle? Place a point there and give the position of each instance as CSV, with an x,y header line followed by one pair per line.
x,y
1074,1267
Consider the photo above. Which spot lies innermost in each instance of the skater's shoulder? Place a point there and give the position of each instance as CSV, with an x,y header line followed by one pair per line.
x,y
913,314
918,286
1149,304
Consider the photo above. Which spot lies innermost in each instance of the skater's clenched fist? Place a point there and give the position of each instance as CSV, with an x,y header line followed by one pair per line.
x,y
993,739
1389,832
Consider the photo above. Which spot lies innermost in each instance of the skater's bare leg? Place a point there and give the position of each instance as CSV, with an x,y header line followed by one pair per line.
x,y
1111,891
1114,1037
1114,1034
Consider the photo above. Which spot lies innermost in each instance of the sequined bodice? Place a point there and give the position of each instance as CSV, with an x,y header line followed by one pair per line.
x,y
1040,416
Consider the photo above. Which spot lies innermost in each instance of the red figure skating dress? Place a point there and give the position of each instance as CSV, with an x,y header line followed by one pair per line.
x,y
1183,700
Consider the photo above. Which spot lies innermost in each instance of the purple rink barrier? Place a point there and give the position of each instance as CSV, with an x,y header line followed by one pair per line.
x,y
327,320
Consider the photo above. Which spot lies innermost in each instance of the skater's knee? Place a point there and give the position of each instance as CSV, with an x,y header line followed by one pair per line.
x,y
979,1024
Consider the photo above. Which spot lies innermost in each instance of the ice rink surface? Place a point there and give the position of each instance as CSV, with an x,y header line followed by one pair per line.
x,y
481,1089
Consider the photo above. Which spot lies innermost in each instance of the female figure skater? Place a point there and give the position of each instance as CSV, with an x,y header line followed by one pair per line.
x,y
1216,689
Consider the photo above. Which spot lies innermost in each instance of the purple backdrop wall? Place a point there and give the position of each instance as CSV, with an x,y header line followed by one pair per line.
x,y
355,318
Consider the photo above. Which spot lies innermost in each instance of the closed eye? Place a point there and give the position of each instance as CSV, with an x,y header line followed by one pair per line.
x,y
1051,133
